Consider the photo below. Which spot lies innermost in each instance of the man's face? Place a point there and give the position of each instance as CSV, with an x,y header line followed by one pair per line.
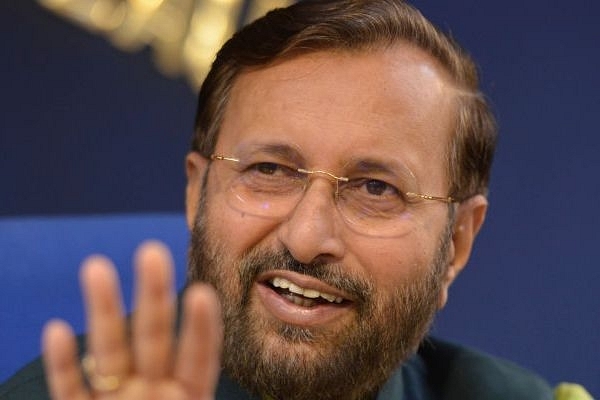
x,y
331,112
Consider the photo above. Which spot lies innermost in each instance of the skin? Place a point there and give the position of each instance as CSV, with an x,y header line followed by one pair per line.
x,y
395,104
150,366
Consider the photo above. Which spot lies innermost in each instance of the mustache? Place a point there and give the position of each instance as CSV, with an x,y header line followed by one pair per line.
x,y
259,261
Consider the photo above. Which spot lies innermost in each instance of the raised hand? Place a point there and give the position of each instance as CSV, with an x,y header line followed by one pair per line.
x,y
148,363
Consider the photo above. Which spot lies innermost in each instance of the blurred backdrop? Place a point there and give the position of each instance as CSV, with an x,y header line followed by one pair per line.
x,y
91,123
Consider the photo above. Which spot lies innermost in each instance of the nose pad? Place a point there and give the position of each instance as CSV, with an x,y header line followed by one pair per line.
x,y
312,229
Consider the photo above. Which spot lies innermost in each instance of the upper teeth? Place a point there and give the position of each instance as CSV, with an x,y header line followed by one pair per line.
x,y
310,293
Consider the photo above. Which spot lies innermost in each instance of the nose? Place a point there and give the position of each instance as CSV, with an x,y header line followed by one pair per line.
x,y
312,230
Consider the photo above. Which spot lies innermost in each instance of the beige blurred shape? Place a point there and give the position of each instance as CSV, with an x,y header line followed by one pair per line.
x,y
183,34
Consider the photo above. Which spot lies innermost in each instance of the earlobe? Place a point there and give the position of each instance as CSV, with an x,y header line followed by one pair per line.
x,y
195,167
470,216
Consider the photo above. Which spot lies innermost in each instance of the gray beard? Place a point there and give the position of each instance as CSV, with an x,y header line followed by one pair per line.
x,y
309,363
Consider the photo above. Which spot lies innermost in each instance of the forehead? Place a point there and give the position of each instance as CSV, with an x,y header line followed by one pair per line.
x,y
395,103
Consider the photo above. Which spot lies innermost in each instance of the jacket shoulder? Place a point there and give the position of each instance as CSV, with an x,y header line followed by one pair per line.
x,y
29,383
460,373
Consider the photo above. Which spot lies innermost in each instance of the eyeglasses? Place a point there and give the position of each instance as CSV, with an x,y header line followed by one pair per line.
x,y
370,205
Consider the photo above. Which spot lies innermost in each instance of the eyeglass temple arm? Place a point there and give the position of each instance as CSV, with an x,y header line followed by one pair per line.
x,y
223,158
435,198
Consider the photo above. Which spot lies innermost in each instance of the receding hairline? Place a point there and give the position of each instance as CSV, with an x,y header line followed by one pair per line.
x,y
458,90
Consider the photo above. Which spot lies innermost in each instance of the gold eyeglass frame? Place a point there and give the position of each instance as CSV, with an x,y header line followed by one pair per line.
x,y
338,179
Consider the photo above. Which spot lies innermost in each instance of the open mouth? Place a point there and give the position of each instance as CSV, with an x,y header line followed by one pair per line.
x,y
303,300
303,297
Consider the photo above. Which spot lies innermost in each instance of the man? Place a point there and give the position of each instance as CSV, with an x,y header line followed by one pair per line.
x,y
336,184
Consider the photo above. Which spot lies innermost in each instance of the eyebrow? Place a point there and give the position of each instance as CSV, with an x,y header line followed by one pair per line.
x,y
393,167
284,151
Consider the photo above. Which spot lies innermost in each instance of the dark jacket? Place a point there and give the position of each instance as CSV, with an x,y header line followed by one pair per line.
x,y
439,371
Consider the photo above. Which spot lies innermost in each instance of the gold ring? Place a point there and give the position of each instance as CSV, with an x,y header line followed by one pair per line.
x,y
100,383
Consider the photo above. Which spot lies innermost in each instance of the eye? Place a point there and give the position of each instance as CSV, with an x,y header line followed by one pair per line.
x,y
371,198
376,187
370,190
267,168
272,178
270,169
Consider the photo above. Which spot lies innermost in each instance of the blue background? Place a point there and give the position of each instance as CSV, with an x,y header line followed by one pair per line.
x,y
86,129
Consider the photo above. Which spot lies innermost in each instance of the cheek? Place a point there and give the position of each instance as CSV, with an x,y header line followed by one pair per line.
x,y
236,232
390,263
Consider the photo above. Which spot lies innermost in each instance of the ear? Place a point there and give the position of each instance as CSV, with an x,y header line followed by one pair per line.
x,y
469,219
195,167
